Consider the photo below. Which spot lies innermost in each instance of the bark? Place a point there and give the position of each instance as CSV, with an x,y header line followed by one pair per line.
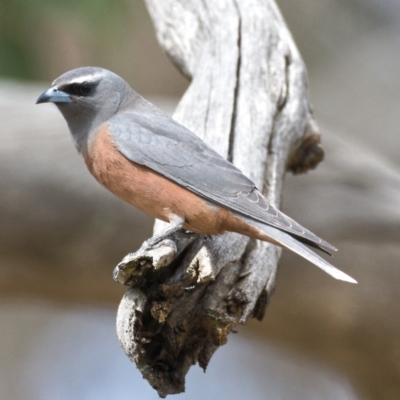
x,y
248,100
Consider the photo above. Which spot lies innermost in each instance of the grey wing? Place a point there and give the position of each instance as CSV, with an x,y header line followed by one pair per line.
x,y
163,145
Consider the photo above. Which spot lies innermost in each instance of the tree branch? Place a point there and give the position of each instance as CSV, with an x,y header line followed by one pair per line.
x,y
247,100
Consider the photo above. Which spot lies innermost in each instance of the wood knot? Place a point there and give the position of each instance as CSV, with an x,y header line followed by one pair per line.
x,y
310,152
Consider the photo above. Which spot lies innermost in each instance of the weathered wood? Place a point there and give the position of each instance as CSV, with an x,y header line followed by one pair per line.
x,y
248,100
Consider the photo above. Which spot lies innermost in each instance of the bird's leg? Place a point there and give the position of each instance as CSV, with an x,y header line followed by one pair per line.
x,y
176,223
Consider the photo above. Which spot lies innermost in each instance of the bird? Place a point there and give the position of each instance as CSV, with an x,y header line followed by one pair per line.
x,y
157,165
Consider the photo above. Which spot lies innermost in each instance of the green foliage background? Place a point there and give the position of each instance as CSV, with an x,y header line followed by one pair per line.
x,y
41,39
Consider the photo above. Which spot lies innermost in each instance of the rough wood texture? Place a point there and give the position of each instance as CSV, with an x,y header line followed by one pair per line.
x,y
248,100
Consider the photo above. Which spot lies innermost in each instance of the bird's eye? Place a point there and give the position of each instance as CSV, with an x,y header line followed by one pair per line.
x,y
85,89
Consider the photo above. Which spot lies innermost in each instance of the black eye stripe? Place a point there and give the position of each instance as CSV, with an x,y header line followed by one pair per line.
x,y
78,89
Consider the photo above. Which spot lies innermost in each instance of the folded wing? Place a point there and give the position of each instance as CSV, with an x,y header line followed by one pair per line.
x,y
160,143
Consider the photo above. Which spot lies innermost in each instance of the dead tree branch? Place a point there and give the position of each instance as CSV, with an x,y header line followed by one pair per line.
x,y
248,100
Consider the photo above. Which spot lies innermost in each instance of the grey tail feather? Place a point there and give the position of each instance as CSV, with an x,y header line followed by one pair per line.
x,y
320,247
293,244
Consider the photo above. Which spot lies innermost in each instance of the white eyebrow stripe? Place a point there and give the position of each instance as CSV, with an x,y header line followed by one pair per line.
x,y
89,77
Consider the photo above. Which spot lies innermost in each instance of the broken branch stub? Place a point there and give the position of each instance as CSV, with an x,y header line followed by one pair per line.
x,y
247,100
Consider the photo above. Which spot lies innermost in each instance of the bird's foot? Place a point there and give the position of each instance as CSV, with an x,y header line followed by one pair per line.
x,y
168,234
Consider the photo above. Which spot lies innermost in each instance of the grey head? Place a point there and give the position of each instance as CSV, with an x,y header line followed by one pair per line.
x,y
87,97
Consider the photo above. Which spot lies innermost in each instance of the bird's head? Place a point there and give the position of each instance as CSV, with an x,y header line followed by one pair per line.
x,y
87,97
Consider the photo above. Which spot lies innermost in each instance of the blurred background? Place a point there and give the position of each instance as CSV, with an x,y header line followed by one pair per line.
x,y
61,234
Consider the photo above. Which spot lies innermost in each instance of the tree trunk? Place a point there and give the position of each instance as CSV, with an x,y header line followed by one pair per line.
x,y
247,100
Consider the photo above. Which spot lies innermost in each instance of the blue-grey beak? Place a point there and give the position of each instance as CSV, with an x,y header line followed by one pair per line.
x,y
53,95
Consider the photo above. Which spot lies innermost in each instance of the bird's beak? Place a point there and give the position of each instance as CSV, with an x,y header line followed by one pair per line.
x,y
53,95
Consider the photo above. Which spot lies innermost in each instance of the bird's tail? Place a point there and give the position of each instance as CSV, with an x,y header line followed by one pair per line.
x,y
283,239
